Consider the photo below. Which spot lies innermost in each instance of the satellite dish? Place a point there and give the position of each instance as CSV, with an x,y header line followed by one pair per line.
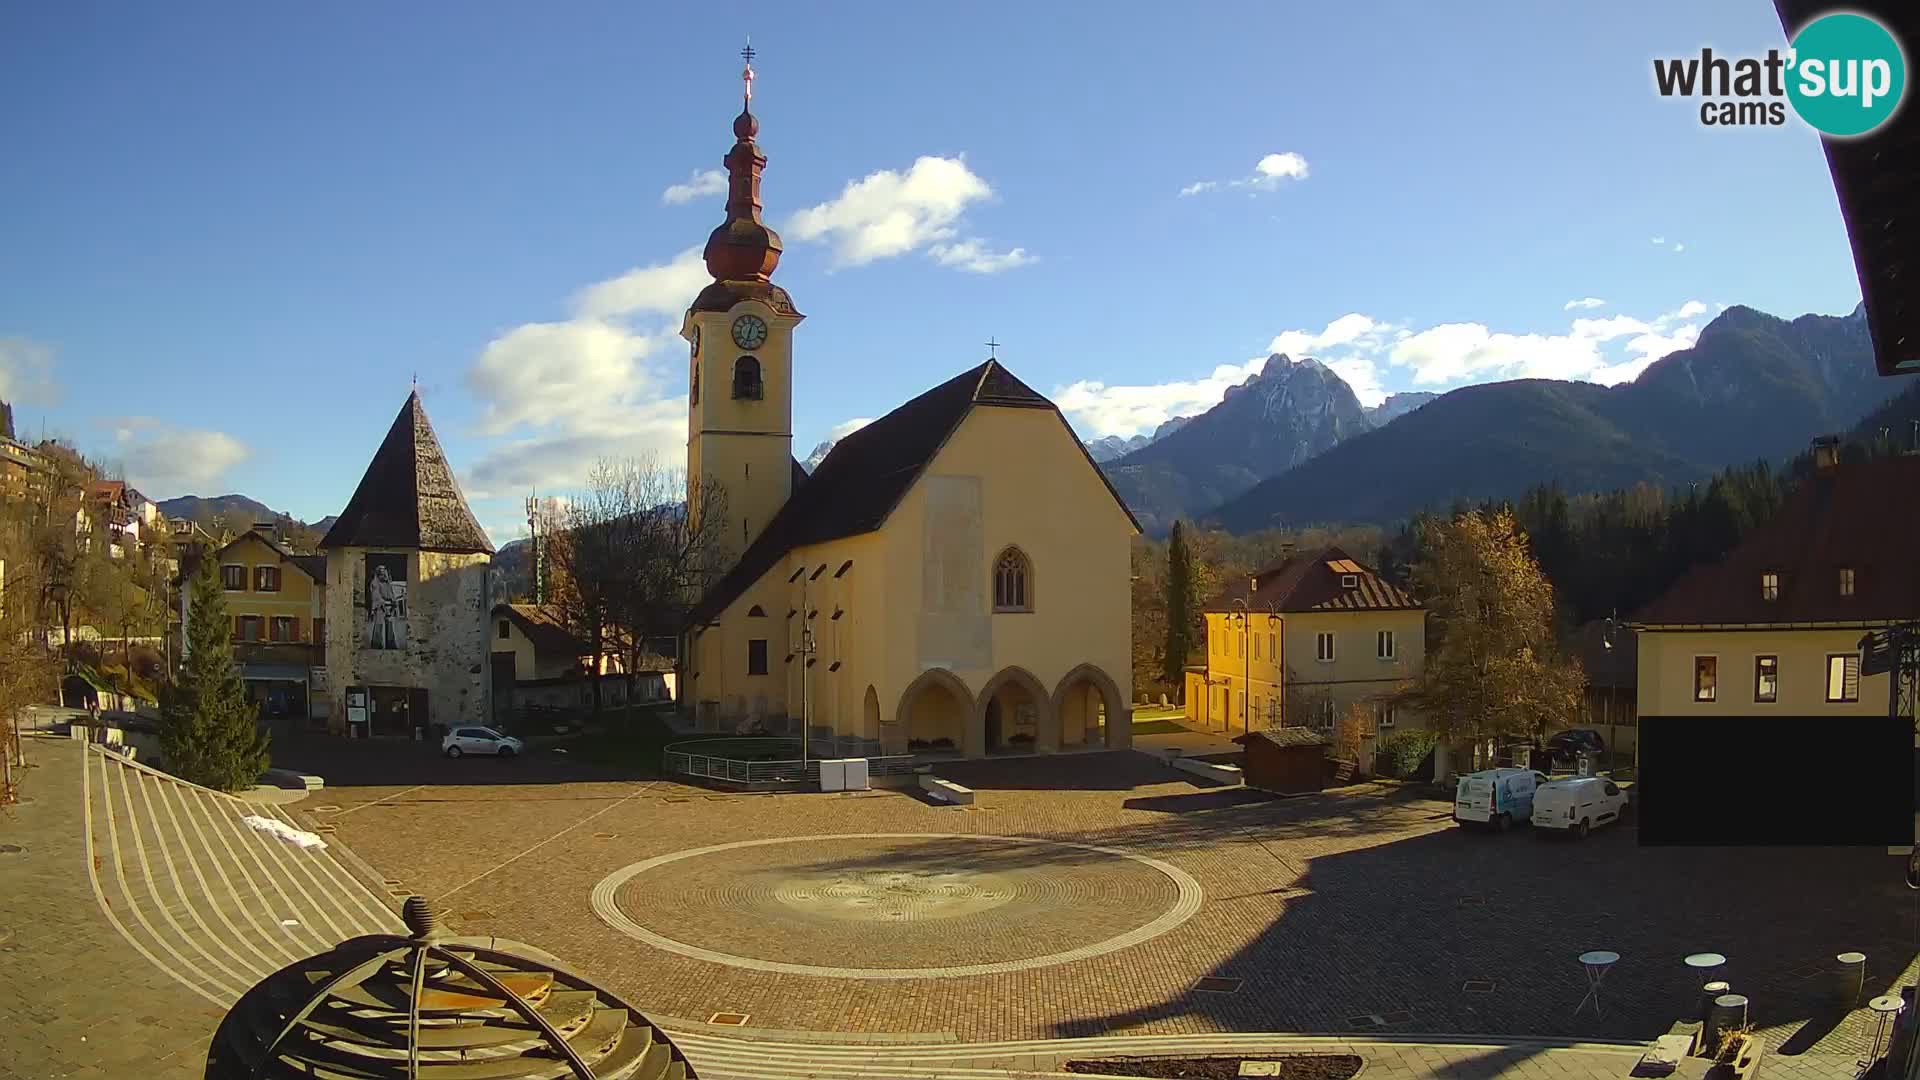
x,y
1913,868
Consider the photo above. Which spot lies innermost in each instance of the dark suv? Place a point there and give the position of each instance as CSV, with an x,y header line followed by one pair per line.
x,y
1567,745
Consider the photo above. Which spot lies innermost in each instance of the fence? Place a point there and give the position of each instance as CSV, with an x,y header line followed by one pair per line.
x,y
763,762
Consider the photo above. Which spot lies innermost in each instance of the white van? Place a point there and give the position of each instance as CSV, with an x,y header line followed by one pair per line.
x,y
1578,805
1497,797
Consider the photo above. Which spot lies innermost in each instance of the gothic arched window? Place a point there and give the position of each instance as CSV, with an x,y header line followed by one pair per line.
x,y
1012,581
746,378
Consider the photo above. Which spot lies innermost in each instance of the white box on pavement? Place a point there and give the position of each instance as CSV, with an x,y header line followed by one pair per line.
x,y
833,774
856,779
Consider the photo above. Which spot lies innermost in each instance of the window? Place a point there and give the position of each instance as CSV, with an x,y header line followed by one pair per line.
x,y
1766,678
284,628
757,656
233,578
1272,653
693,392
746,379
1706,676
1240,648
1256,646
1770,586
1323,646
756,612
1843,677
266,579
1383,644
1383,714
503,630
247,628
1349,581
1846,581
1012,582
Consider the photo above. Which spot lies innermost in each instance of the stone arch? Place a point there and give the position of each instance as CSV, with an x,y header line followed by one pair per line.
x,y
1019,680
870,714
1119,725
936,705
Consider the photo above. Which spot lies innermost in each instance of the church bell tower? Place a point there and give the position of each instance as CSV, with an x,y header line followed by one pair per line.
x,y
740,337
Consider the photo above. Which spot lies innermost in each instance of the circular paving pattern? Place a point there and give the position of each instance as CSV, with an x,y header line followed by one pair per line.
x,y
896,905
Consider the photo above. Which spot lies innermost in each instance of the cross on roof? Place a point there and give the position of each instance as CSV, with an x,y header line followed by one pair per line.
x,y
993,348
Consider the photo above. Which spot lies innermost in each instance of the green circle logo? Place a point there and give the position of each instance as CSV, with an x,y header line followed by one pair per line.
x,y
1846,75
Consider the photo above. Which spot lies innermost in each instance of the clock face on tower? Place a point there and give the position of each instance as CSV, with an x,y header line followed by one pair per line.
x,y
749,332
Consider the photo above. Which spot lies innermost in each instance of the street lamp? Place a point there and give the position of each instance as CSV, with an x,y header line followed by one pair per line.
x,y
1244,617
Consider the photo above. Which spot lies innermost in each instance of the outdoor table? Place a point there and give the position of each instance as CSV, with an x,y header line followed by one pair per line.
x,y
1596,964
1885,1008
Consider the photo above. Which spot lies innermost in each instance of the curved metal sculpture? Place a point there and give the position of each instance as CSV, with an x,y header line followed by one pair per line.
x,y
434,1007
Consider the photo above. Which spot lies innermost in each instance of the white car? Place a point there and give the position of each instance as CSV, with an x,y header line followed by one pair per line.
x,y
479,740
1578,805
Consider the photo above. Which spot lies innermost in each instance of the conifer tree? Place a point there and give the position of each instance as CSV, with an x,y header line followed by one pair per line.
x,y
208,729
1179,610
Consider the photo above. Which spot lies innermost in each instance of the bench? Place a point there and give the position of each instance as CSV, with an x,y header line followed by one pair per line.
x,y
1219,774
946,790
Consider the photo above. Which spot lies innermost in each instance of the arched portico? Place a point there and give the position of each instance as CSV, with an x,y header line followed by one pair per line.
x,y
1013,712
1079,700
936,707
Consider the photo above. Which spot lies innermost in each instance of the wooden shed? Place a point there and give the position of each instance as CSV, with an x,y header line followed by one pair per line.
x,y
1289,760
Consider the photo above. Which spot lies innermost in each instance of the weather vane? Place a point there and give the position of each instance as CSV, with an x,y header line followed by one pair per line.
x,y
993,349
746,73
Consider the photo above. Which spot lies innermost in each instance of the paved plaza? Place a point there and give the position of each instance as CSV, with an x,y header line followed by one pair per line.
x,y
1111,902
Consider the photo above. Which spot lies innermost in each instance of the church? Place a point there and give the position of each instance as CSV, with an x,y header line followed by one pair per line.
x,y
952,579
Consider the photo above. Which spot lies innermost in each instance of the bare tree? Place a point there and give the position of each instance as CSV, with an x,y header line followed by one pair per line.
x,y
630,558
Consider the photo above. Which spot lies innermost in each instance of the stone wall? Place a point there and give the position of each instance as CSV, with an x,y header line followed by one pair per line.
x,y
448,606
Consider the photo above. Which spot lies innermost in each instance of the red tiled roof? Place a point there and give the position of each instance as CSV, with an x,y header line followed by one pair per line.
x,y
1308,583
1862,516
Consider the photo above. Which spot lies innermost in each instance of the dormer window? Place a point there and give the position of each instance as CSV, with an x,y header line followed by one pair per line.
x,y
1770,586
1349,581
1846,581
746,379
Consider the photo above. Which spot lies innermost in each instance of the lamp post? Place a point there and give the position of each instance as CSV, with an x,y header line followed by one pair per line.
x,y
804,650
1245,618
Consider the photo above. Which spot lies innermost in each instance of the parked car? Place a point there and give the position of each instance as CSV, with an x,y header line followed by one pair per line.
x,y
1566,746
1576,806
480,740
1495,797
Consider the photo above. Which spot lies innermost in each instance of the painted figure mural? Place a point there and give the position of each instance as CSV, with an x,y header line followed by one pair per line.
x,y
386,601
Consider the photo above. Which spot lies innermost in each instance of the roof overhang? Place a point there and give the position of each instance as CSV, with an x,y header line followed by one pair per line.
x,y
1877,179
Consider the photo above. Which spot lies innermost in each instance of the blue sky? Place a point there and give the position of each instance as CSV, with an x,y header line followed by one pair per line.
x,y
235,233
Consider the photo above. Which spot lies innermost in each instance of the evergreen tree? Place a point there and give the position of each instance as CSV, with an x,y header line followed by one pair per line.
x,y
207,727
1173,659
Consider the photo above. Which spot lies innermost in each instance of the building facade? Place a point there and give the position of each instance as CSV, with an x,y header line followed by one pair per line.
x,y
277,602
408,594
952,578
1774,629
1305,642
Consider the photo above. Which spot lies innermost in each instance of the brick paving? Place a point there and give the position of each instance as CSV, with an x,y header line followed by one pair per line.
x,y
1338,911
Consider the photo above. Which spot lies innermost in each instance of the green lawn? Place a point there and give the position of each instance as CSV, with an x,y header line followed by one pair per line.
x,y
1156,727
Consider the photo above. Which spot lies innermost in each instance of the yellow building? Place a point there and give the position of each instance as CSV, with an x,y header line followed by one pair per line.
x,y
1303,641
1774,628
276,600
953,577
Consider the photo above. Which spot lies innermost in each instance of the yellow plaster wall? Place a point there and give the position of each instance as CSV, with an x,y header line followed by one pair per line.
x,y
1666,672
746,444
299,597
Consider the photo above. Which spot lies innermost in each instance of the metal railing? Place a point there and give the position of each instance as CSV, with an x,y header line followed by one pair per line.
x,y
764,762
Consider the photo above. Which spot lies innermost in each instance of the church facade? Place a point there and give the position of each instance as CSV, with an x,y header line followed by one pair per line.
x,y
952,579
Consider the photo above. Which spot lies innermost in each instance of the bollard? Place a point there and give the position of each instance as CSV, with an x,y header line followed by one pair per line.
x,y
1729,1013
1849,977
1708,992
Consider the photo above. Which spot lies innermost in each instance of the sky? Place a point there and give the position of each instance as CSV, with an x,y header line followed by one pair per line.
x,y
232,237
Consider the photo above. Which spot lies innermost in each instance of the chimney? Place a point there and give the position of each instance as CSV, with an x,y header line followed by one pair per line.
x,y
1826,452
1286,550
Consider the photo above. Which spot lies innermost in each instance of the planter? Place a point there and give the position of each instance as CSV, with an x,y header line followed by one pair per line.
x,y
1742,1063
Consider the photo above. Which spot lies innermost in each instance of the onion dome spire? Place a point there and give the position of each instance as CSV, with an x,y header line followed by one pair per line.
x,y
743,248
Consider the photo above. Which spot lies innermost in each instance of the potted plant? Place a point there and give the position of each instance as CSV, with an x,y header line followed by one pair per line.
x,y
1737,1057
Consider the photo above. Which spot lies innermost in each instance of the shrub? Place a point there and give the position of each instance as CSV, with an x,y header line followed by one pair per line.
x,y
1401,753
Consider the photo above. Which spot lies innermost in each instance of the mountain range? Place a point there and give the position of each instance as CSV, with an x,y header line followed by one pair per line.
x,y
1752,387
237,511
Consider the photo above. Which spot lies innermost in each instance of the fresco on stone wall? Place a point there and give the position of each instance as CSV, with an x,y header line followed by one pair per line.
x,y
386,601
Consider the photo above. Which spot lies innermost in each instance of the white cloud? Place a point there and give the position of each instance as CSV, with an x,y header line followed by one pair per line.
x,y
1268,174
1098,409
972,256
26,372
1689,310
164,461
1679,247
1344,330
891,213
1364,376
1586,303
847,427
1617,326
661,289
703,183
1659,241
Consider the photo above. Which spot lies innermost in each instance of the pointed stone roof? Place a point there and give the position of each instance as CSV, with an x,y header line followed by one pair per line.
x,y
408,498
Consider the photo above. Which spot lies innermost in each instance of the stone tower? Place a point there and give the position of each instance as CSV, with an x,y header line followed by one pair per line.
x,y
740,329
407,593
